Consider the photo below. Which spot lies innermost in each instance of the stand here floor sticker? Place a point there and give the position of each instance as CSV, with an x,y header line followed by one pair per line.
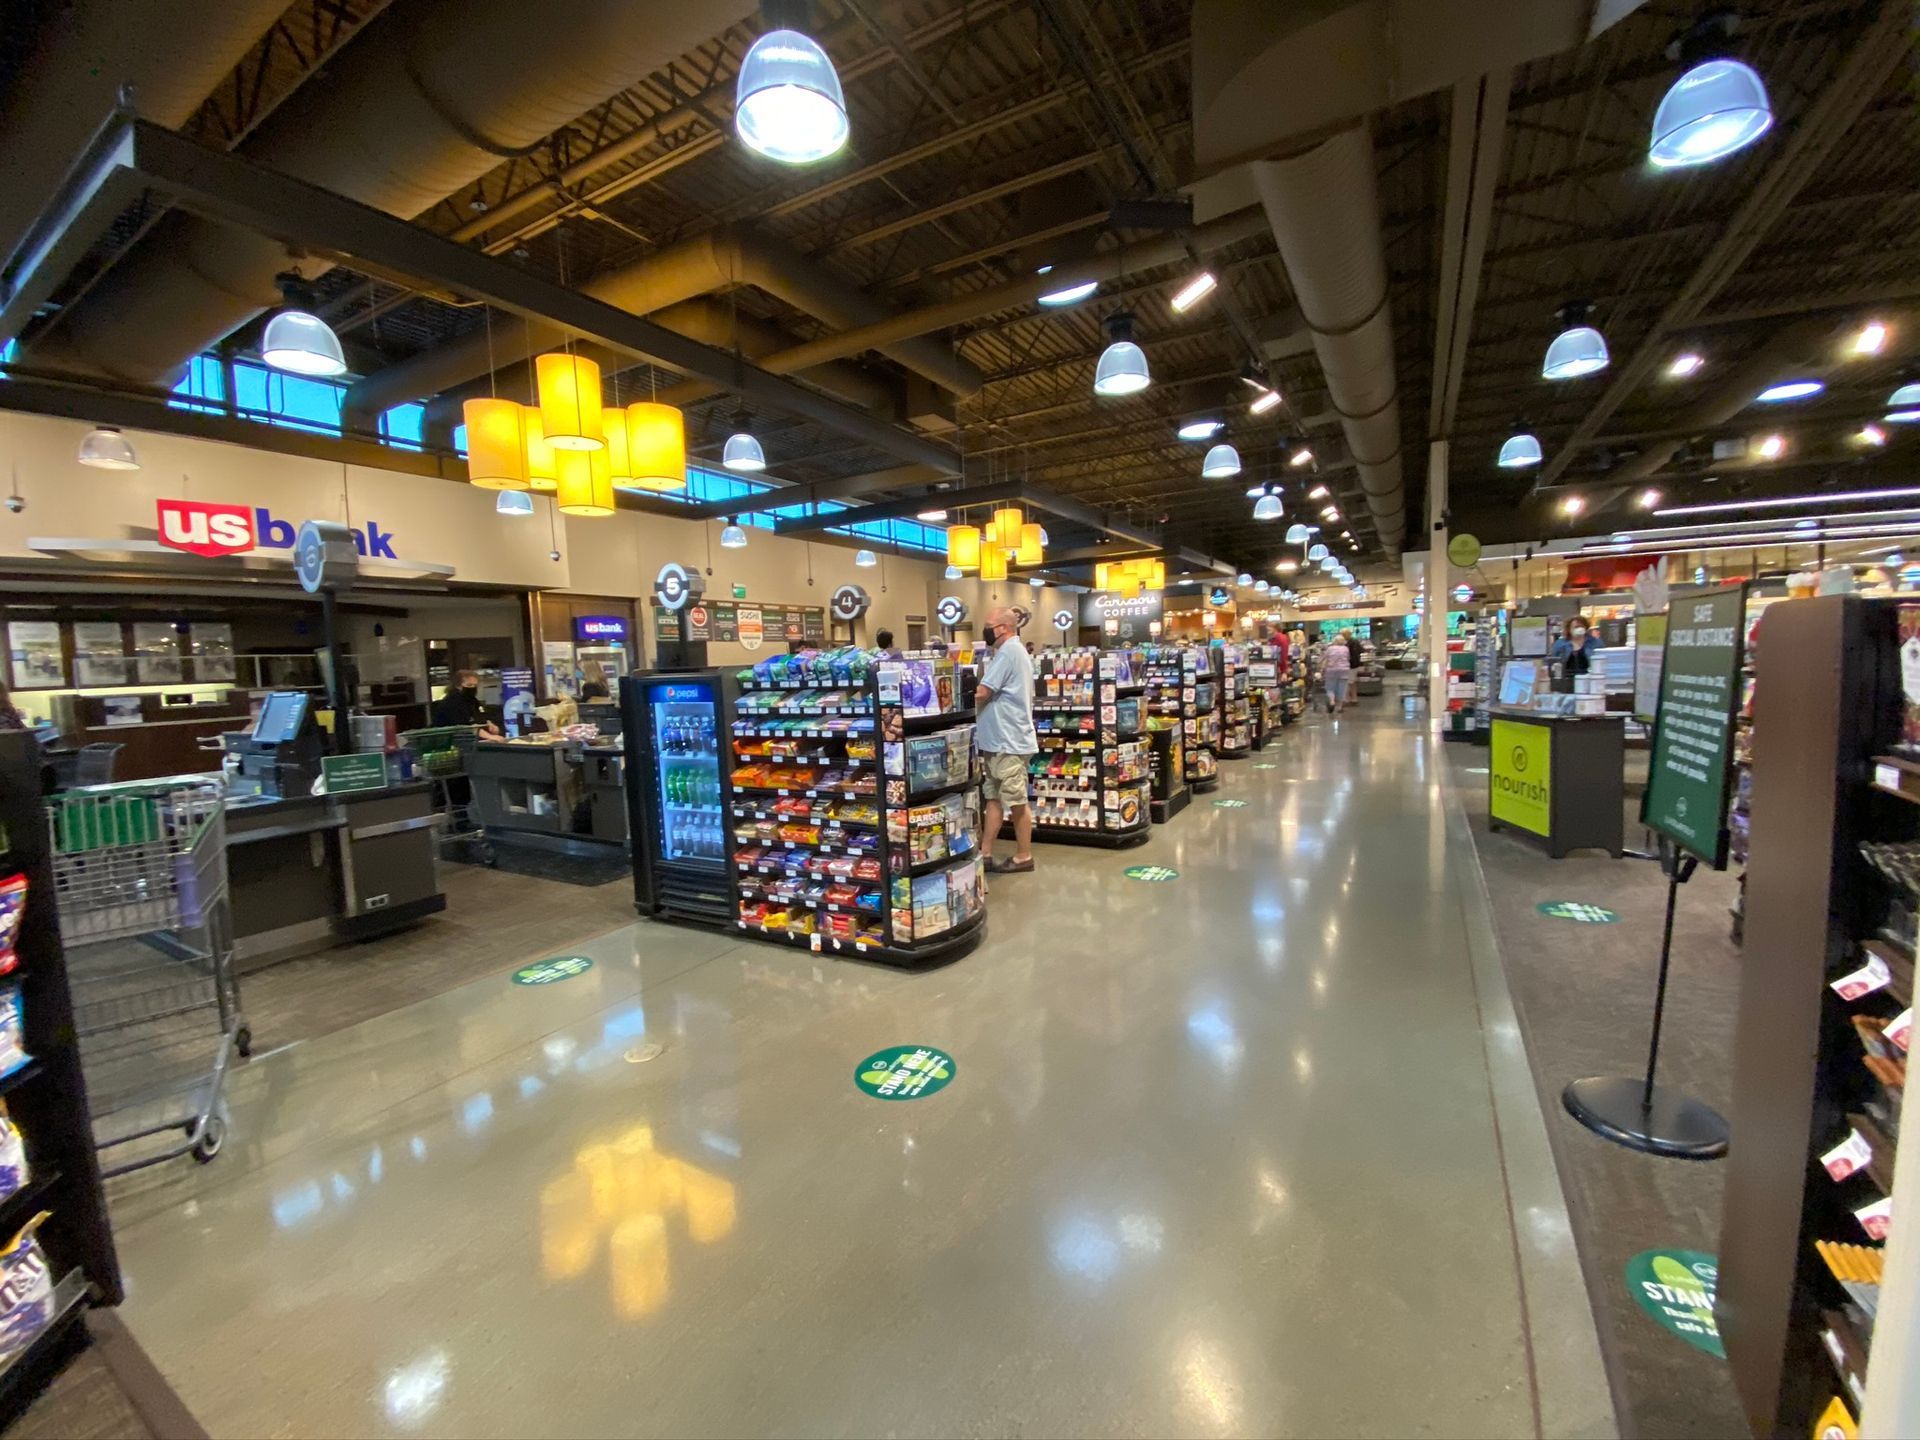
x,y
545,972
1153,873
1578,911
1676,1288
905,1072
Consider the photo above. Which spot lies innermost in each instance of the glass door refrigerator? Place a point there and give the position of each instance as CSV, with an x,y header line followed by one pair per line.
x,y
677,776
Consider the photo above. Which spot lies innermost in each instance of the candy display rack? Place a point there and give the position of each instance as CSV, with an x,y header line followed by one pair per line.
x,y
1091,778
848,837
1236,703
71,1263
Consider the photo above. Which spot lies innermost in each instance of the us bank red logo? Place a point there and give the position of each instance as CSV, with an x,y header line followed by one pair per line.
x,y
202,527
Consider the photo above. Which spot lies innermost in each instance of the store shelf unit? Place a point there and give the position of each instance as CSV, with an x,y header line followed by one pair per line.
x,y
1092,775
1180,692
46,1099
1834,867
1236,702
846,840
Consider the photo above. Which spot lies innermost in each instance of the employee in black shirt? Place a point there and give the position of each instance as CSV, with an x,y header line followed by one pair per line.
x,y
461,706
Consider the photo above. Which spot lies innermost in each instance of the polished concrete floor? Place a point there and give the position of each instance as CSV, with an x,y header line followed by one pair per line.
x,y
1251,1151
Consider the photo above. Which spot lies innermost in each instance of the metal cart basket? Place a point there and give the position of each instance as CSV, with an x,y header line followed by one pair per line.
x,y
445,754
140,879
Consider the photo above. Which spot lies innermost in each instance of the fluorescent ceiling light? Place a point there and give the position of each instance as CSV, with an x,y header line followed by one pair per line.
x,y
1777,501
1717,107
1204,429
1682,366
1264,402
1790,390
1194,291
1069,294
788,104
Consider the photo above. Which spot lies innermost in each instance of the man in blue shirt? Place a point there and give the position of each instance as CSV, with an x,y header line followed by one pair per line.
x,y
1003,705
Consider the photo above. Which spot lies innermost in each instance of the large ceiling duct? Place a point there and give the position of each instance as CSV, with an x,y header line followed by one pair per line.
x,y
1325,213
169,53
426,99
1298,81
702,265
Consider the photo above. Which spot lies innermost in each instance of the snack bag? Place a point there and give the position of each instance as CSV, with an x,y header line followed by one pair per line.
x,y
26,1290
13,1044
13,1156
13,907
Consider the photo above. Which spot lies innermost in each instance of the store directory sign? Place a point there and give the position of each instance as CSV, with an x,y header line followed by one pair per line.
x,y
1689,778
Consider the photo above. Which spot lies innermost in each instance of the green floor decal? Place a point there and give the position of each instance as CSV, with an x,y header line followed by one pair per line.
x,y
1151,872
1676,1288
905,1072
1577,910
545,972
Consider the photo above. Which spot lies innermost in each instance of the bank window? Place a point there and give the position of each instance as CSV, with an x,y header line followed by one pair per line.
x,y
202,388
403,426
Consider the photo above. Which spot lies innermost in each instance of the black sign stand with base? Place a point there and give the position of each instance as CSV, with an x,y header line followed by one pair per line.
x,y
1633,1111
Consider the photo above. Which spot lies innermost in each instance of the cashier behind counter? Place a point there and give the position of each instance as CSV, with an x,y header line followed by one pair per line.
x,y
460,705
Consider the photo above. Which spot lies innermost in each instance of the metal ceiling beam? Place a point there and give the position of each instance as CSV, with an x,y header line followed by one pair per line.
x,y
131,155
1883,44
1476,130
901,509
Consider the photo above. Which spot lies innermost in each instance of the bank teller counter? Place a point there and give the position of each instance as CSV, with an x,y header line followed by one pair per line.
x,y
307,871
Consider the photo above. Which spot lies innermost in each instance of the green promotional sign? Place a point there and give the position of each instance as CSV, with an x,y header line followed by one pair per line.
x,y
1154,873
1688,777
1229,804
1676,1288
545,972
1577,910
905,1072
346,773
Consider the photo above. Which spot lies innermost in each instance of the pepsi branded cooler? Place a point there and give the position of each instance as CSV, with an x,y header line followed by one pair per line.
x,y
677,729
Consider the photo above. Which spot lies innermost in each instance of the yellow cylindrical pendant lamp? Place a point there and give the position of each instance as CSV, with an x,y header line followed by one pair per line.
x,y
586,483
657,445
963,546
1006,527
613,421
993,563
542,472
570,401
1031,551
496,444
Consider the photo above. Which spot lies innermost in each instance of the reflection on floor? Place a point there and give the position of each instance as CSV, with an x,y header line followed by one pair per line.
x,y
1234,1154
1585,997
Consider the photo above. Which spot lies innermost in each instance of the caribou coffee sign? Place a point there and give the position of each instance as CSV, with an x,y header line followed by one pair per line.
x,y
213,529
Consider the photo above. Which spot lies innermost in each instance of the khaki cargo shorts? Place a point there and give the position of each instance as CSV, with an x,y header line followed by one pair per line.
x,y
1005,779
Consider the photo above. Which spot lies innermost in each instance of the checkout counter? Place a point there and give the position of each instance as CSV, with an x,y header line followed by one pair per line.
x,y
551,792
306,871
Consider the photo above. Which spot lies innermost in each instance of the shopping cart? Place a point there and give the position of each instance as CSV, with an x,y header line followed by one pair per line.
x,y
140,880
445,754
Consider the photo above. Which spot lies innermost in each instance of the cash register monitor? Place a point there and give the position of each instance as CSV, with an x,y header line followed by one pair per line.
x,y
280,718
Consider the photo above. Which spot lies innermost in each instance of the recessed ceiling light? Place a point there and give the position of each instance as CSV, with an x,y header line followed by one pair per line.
x,y
1790,390
1682,366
